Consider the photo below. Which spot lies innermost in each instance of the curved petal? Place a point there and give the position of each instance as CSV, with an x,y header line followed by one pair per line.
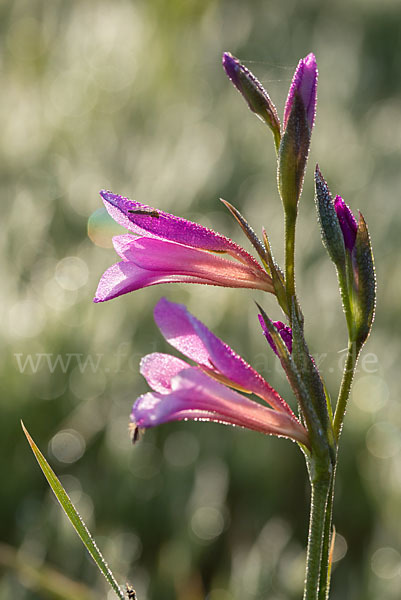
x,y
161,255
148,261
159,369
195,396
124,277
191,337
162,225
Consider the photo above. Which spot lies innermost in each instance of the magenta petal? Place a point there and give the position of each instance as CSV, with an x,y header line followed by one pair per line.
x,y
284,331
124,277
159,369
348,224
304,83
176,326
197,396
149,261
162,255
191,337
121,278
169,227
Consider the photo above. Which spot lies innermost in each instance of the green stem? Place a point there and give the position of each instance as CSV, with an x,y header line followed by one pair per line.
x,y
325,566
319,496
348,376
290,257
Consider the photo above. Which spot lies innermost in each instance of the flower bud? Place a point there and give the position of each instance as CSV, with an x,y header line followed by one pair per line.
x,y
253,92
304,84
299,117
284,331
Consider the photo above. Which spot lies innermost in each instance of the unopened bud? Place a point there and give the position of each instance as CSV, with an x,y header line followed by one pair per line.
x,y
304,83
253,92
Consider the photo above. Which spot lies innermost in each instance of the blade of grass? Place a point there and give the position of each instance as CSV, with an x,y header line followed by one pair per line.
x,y
73,516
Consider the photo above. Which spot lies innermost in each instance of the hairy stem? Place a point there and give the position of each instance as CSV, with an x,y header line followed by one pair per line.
x,y
319,497
348,376
290,257
325,566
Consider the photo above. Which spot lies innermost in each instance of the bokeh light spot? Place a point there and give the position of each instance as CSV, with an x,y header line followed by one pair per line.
x,y
67,446
71,273
26,318
340,547
386,563
370,393
207,523
101,228
383,440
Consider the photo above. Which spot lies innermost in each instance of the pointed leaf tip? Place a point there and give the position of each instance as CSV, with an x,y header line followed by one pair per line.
x,y
73,516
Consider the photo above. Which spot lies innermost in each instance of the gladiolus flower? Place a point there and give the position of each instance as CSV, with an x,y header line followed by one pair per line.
x,y
204,392
304,84
167,249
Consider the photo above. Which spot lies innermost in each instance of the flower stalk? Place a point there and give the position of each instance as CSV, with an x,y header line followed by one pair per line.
x,y
346,383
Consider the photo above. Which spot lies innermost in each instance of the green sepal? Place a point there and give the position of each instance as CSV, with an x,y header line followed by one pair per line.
x,y
249,232
309,415
292,157
310,376
277,276
364,297
330,229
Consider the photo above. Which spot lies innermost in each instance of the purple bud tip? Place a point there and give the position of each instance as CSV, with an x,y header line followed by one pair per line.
x,y
231,66
304,83
284,331
348,224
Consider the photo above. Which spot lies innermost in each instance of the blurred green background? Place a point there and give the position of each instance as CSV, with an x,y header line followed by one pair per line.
x,y
131,96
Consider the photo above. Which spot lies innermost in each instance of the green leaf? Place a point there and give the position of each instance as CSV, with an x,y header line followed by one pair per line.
x,y
73,516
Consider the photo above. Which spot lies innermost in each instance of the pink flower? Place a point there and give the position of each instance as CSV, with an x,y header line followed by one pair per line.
x,y
165,249
204,391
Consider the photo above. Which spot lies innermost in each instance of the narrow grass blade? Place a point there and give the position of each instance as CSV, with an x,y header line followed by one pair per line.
x,y
73,516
